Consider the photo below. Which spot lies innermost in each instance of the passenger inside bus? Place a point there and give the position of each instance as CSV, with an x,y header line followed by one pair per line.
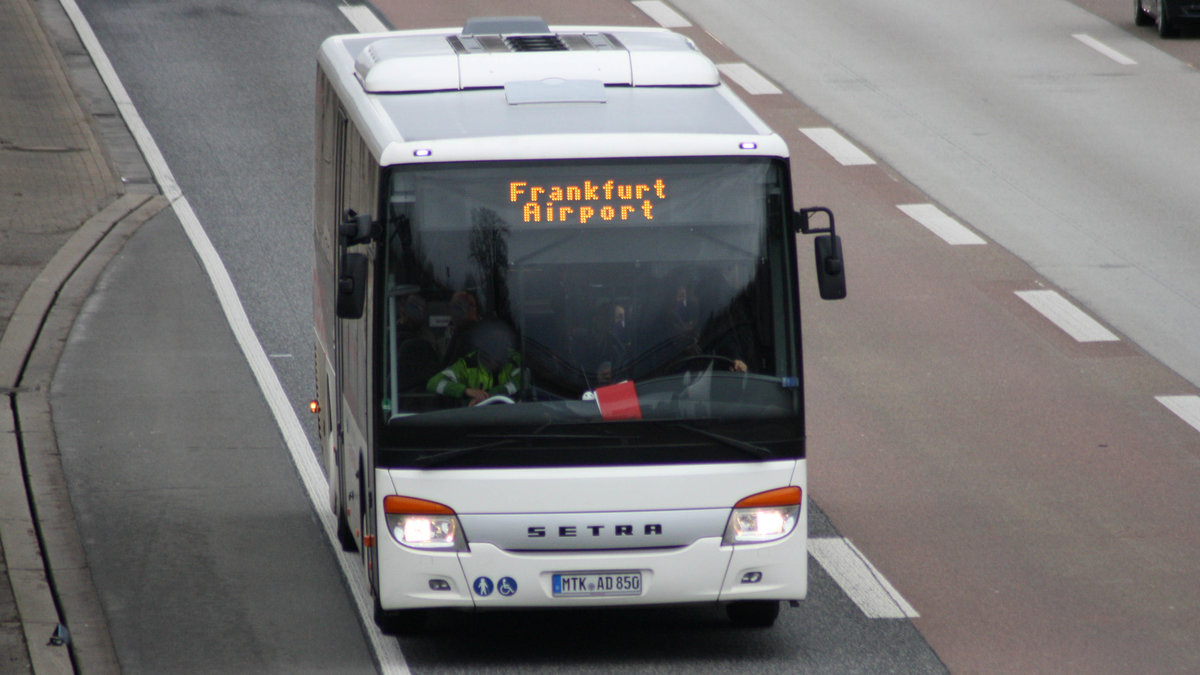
x,y
416,357
464,315
700,325
620,333
601,349
725,328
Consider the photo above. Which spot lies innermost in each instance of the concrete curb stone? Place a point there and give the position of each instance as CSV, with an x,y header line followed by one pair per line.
x,y
75,188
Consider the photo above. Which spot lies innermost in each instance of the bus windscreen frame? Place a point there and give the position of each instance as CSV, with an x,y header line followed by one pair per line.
x,y
660,282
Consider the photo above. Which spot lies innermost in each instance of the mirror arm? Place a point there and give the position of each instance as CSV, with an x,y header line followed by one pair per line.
x,y
803,216
357,228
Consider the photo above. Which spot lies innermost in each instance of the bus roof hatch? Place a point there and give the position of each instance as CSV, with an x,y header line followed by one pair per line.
x,y
505,25
486,56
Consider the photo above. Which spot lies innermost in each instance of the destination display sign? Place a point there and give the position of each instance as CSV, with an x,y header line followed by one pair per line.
x,y
605,195
588,201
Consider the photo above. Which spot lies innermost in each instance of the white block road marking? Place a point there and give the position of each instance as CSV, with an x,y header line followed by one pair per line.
x,y
845,152
363,19
1068,317
859,579
1104,49
1187,407
748,78
662,13
949,229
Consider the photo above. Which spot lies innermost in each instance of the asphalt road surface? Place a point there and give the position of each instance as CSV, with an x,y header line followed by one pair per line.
x,y
1027,492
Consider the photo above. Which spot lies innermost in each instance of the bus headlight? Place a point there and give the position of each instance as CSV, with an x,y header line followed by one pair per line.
x,y
763,517
422,524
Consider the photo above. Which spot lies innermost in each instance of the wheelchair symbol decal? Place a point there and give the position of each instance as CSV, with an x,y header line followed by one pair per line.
x,y
507,586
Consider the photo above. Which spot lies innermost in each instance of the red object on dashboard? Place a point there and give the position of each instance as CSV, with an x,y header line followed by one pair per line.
x,y
619,401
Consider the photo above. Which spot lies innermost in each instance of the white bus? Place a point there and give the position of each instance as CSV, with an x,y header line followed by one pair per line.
x,y
557,322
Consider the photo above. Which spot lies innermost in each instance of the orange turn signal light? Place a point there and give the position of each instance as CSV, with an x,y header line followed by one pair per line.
x,y
786,496
398,505
314,406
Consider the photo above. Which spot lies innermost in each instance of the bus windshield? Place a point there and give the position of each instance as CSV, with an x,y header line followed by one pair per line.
x,y
534,294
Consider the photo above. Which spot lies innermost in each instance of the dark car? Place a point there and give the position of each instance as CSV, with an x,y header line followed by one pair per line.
x,y
1166,15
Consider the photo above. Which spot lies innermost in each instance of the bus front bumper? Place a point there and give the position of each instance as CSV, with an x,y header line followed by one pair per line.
x,y
488,577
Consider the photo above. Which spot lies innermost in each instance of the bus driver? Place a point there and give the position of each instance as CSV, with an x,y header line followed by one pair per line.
x,y
492,367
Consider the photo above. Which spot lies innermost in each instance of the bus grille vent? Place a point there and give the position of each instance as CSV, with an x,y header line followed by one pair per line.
x,y
535,43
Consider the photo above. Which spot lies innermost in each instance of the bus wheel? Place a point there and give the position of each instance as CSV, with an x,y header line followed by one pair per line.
x,y
400,621
1166,25
345,534
753,613
1140,16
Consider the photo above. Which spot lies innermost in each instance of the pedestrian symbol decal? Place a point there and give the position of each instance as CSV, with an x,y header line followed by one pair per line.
x,y
483,587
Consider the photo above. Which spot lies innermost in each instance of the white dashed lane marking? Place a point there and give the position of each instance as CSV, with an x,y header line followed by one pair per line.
x,y
832,142
363,19
748,78
1067,316
937,222
662,13
1104,49
1186,407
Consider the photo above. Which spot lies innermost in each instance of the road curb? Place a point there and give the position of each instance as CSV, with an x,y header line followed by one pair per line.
x,y
44,555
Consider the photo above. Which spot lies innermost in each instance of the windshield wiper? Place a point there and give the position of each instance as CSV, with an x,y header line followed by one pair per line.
x,y
746,447
501,440
448,455
570,437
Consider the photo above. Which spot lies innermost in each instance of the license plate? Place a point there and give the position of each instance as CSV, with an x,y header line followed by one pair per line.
x,y
591,584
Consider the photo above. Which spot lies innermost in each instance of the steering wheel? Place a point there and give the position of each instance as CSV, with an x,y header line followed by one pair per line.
x,y
498,398
697,357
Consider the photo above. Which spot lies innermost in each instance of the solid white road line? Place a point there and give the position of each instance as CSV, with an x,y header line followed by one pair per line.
x,y
662,13
1104,49
859,579
845,152
387,651
1067,316
1187,407
937,222
363,19
748,78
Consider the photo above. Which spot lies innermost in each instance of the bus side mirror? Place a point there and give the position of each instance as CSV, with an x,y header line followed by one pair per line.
x,y
352,286
831,267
